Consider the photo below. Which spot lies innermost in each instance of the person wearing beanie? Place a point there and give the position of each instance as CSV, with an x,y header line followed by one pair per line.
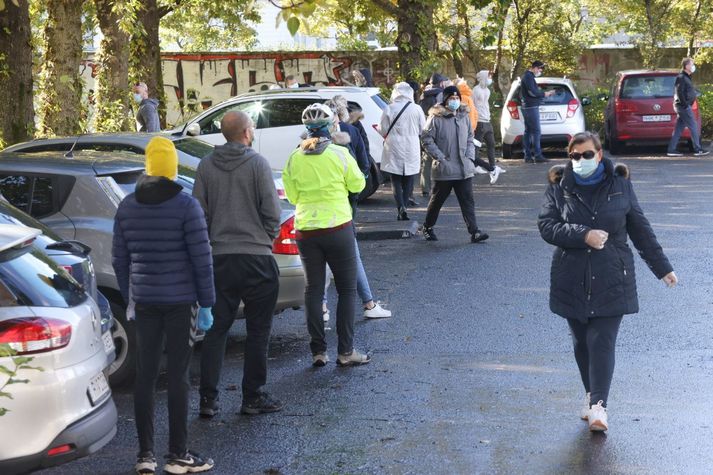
x,y
432,95
448,139
235,187
164,300
531,99
484,130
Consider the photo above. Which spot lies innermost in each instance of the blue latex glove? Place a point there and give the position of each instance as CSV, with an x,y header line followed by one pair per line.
x,y
205,318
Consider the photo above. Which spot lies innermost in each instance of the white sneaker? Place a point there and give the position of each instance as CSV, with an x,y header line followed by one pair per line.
x,y
495,174
674,154
598,418
481,171
584,413
377,311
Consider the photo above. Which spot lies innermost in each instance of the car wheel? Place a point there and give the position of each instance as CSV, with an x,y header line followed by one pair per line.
x,y
615,146
123,369
507,151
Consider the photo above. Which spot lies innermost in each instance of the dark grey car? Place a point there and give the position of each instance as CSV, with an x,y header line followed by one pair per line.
x,y
78,197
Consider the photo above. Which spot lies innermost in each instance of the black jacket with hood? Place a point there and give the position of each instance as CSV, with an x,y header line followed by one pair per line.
x,y
235,187
585,282
685,93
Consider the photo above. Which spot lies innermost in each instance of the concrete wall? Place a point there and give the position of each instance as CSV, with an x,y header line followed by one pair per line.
x,y
194,82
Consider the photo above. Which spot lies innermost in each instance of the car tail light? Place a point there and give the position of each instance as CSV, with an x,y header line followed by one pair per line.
x,y
512,109
621,107
285,242
281,193
30,335
694,106
68,269
572,107
60,449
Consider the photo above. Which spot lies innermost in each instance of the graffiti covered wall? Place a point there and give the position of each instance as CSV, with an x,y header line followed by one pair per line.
x,y
193,82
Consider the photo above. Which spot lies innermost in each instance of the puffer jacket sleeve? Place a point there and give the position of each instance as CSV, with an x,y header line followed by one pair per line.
x,y
469,145
120,256
195,231
554,229
644,239
428,139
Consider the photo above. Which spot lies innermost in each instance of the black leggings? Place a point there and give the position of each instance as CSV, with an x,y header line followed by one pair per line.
x,y
594,344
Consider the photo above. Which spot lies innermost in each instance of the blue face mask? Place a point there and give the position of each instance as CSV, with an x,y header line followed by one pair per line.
x,y
137,97
584,167
453,104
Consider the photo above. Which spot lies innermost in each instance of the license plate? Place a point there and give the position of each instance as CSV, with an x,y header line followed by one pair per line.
x,y
108,341
549,116
98,389
657,118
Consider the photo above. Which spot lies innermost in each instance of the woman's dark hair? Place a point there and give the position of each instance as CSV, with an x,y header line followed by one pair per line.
x,y
584,137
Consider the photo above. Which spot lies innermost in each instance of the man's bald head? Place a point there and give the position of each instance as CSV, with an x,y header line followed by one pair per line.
x,y
237,127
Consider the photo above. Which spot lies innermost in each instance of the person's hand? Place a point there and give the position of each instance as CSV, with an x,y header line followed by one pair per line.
x,y
670,279
205,318
596,238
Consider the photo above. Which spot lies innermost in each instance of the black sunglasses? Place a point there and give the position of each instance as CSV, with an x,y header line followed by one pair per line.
x,y
589,154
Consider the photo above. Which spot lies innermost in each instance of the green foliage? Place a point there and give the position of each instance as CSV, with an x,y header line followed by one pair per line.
x,y
594,112
705,105
19,363
112,116
215,25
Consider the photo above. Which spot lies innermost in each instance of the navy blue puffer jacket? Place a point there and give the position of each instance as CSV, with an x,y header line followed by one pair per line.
x,y
161,245
584,282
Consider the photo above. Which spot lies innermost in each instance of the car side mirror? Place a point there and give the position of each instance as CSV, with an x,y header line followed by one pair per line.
x,y
194,129
603,97
586,101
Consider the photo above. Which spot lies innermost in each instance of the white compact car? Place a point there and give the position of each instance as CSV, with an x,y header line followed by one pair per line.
x,y
65,411
278,120
561,115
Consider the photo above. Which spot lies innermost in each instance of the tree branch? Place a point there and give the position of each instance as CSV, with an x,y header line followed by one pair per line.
x,y
292,4
388,7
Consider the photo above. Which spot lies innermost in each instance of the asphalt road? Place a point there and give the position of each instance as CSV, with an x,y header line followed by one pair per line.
x,y
473,374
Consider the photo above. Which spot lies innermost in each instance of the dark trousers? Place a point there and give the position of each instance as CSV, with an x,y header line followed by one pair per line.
x,y
464,194
685,118
532,135
426,167
594,344
484,134
254,279
338,250
402,187
153,323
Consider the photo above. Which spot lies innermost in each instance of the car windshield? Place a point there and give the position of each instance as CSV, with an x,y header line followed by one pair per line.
x,y
380,101
29,278
647,87
194,147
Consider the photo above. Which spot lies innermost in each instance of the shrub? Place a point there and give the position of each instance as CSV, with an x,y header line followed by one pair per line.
x,y
594,112
705,105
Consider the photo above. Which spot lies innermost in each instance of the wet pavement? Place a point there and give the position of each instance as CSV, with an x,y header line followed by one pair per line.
x,y
473,374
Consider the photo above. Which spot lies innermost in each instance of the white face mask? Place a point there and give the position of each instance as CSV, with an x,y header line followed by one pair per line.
x,y
693,68
538,74
584,167
489,82
137,97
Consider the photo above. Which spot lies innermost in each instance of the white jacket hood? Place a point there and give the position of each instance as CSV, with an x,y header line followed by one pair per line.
x,y
402,89
482,77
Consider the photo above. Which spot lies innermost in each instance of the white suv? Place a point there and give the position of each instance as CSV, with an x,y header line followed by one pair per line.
x,y
561,115
65,411
278,121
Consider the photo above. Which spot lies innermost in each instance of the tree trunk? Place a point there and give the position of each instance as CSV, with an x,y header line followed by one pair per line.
x,y
146,54
416,39
17,113
60,91
112,81
499,51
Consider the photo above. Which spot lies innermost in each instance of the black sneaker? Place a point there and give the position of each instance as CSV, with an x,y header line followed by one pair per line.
x,y
190,462
701,153
542,159
478,236
412,202
263,404
529,160
429,234
209,407
402,215
145,463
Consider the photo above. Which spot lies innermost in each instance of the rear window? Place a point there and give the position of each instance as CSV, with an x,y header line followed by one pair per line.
x,y
29,278
647,87
562,96
194,147
380,101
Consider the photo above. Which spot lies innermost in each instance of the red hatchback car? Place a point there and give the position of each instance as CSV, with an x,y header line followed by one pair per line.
x,y
640,110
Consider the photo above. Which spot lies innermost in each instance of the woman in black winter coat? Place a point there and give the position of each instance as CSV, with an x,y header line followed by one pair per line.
x,y
590,210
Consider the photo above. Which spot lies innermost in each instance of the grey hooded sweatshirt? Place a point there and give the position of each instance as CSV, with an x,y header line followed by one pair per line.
x,y
235,187
448,139
147,117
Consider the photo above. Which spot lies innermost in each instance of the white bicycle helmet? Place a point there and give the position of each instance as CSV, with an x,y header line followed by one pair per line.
x,y
317,115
